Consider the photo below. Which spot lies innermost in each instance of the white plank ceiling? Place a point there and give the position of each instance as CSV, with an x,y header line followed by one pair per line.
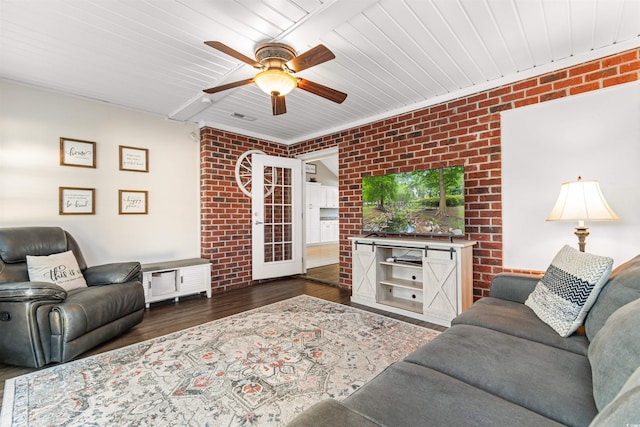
x,y
392,56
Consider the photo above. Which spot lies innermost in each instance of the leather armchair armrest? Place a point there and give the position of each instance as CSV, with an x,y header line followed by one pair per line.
x,y
513,286
119,272
31,291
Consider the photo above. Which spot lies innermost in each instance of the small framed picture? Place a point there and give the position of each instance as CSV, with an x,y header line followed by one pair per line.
x,y
134,159
77,201
76,152
132,202
310,168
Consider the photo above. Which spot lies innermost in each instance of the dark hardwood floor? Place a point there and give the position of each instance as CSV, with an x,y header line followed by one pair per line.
x,y
328,274
167,317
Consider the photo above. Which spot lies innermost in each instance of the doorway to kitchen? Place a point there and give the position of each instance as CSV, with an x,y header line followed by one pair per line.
x,y
321,216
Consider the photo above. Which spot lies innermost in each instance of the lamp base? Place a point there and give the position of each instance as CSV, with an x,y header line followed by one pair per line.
x,y
582,233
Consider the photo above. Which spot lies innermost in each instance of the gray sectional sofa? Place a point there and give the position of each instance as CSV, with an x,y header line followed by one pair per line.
x,y
499,365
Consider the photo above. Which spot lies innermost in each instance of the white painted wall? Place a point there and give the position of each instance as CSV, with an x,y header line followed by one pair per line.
x,y
323,175
31,124
595,135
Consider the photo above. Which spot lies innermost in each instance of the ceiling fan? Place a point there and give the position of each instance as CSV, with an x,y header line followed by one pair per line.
x,y
277,63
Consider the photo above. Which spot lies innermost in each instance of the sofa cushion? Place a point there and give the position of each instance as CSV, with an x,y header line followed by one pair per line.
x,y
331,413
407,394
61,269
568,289
615,353
31,291
622,287
90,308
625,407
547,380
120,272
514,287
517,319
17,243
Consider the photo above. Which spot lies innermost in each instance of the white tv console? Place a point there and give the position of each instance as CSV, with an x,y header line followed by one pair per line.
x,y
173,279
426,279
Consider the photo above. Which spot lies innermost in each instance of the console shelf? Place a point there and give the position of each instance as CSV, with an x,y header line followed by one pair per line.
x,y
401,303
436,287
402,264
402,283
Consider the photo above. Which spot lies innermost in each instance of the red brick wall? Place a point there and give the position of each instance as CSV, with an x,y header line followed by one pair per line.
x,y
464,131
225,211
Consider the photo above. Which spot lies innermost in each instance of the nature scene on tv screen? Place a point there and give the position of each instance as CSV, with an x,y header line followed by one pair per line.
x,y
420,202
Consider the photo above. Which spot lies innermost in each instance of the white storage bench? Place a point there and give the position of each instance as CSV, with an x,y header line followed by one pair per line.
x,y
173,279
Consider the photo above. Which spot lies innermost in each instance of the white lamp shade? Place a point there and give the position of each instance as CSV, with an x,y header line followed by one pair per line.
x,y
278,81
581,201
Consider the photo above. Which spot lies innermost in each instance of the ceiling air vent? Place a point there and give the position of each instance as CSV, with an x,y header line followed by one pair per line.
x,y
243,117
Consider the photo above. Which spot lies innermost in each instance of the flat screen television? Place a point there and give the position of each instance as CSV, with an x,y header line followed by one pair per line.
x,y
423,202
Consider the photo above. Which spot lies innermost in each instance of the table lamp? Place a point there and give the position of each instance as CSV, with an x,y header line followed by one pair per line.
x,y
581,201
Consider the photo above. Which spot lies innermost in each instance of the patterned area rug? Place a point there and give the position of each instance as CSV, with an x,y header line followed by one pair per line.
x,y
261,367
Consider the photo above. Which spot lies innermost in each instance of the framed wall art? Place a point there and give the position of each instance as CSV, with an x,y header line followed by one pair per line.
x,y
310,168
76,152
134,159
77,201
132,202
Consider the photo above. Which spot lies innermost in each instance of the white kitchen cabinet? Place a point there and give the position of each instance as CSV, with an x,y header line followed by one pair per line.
x,y
319,198
313,225
313,198
329,231
314,194
330,197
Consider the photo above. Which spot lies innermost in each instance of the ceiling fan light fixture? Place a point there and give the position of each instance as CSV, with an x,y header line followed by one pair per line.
x,y
275,81
279,63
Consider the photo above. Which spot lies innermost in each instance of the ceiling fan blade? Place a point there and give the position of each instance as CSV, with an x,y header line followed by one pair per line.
x,y
278,105
323,91
233,53
310,58
228,86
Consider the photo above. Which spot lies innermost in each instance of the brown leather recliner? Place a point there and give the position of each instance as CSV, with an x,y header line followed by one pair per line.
x,y
40,322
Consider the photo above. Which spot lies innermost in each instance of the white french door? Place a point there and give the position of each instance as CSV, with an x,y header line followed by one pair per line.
x,y
276,217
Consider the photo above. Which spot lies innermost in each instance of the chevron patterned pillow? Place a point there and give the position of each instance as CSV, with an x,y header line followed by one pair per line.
x,y
568,289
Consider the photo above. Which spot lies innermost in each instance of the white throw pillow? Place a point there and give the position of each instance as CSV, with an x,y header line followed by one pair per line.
x,y
568,289
61,269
